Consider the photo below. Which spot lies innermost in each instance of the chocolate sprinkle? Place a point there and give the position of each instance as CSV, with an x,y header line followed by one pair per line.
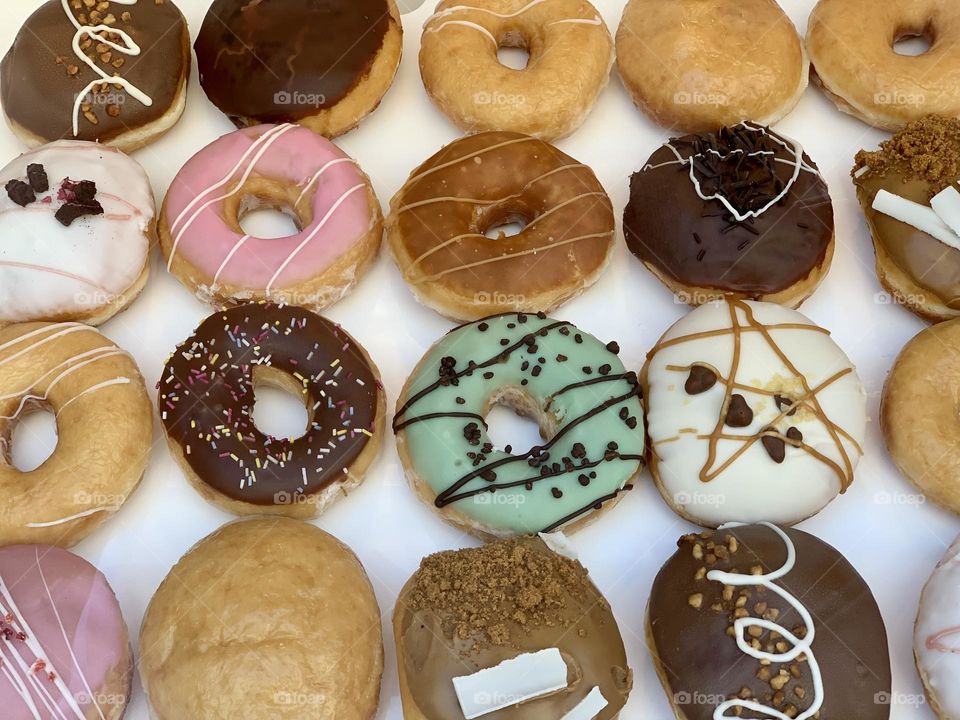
x,y
700,380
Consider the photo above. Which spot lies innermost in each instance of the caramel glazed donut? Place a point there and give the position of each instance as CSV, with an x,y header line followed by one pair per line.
x,y
514,630
758,621
586,404
207,393
851,44
265,618
104,429
325,64
697,65
442,218
741,212
571,53
113,71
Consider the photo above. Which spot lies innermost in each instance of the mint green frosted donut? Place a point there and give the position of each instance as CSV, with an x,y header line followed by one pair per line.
x,y
587,404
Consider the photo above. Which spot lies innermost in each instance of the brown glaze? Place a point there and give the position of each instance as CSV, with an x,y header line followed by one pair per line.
x,y
698,243
206,402
433,649
38,89
689,619
283,60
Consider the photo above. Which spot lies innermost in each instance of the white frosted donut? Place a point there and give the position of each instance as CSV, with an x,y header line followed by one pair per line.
x,y
88,270
936,638
753,413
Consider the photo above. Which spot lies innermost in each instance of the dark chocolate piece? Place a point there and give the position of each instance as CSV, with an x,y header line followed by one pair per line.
x,y
20,192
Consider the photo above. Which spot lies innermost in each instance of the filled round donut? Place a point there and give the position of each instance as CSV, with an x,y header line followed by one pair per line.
x,y
697,65
287,168
576,388
753,412
851,44
324,64
76,223
742,212
67,651
207,396
104,431
909,195
935,636
511,630
759,621
264,618
113,72
570,56
919,410
446,227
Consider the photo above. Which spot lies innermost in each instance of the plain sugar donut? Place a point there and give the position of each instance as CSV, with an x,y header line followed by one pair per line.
x,y
571,53
851,44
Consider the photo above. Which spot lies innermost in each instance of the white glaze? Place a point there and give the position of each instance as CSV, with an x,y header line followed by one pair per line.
x,y
753,488
47,269
936,640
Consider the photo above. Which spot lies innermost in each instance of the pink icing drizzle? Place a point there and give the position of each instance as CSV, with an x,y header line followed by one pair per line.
x,y
341,207
65,607
936,642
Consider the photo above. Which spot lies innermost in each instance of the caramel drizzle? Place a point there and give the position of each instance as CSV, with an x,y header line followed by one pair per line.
x,y
809,398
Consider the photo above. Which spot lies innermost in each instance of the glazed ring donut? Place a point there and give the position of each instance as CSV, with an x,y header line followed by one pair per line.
x,y
697,65
918,413
576,388
115,74
288,168
104,428
206,399
264,618
935,636
325,64
76,223
474,185
851,44
67,648
571,53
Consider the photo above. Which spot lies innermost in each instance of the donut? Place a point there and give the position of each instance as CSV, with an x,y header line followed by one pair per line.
x,y
66,647
576,388
292,170
697,65
324,64
570,57
753,412
935,636
512,629
908,192
442,220
741,212
114,72
104,431
918,413
851,45
264,618
761,621
76,223
207,395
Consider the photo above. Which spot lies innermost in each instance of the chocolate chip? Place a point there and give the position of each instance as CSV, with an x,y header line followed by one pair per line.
x,y
613,347
775,447
784,402
488,475
542,315
795,435
739,413
587,370
504,341
584,480
70,211
556,492
536,371
561,358
460,401
578,450
85,192
632,423
508,449
521,318
604,369
700,380
624,413
488,376
483,327
578,339
37,177
21,193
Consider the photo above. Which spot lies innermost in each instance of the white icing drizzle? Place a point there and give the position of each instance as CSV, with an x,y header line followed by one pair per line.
x,y
94,388
71,518
319,173
595,21
465,23
577,21
461,8
918,216
59,331
129,47
799,646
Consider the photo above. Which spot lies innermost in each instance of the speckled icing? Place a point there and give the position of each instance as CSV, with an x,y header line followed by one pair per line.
x,y
936,639
62,636
194,207
598,441
51,271
790,378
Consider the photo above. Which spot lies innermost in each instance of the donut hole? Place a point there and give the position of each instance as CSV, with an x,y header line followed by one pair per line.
x,y
281,409
504,221
513,57
515,420
268,209
32,438
912,42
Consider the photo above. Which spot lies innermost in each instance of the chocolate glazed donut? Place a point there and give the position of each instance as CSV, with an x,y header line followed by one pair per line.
x,y
206,404
742,212
784,593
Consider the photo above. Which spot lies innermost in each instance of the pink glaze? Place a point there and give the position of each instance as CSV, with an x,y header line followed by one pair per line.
x,y
62,634
195,207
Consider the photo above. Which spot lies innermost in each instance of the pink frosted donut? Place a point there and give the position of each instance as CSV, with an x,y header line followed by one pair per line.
x,y
287,168
64,648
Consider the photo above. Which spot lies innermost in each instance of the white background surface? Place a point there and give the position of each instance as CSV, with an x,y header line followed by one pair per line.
x,y
880,525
